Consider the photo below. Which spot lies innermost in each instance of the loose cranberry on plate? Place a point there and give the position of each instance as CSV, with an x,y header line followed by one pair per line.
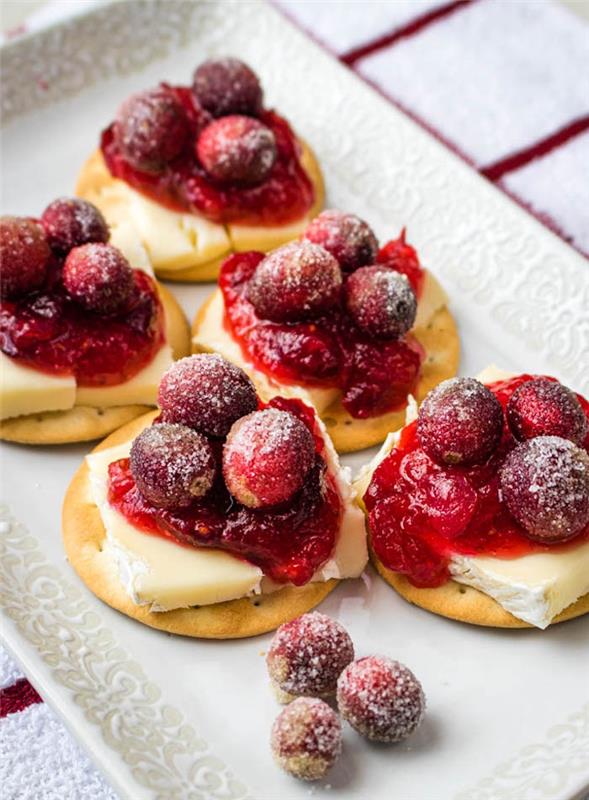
x,y
545,484
70,222
266,457
460,422
306,738
349,239
295,282
24,256
98,277
381,302
541,407
227,86
207,393
237,150
307,655
172,465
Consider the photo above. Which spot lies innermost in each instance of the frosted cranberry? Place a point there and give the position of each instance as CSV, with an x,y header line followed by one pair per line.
x,y
151,129
381,302
380,698
306,738
227,86
237,150
348,238
297,281
266,457
546,408
70,222
545,484
460,422
24,255
206,393
98,277
172,465
307,655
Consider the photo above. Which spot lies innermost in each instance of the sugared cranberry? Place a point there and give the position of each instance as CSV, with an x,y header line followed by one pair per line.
x,y
348,238
307,655
24,255
206,393
460,422
266,457
70,222
297,281
98,277
306,738
545,484
380,698
237,150
546,408
151,129
172,465
227,86
381,302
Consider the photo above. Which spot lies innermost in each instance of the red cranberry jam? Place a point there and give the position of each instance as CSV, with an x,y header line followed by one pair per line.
x,y
183,184
289,542
421,513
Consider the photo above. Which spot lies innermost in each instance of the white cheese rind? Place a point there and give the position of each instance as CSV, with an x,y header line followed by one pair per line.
x,y
24,390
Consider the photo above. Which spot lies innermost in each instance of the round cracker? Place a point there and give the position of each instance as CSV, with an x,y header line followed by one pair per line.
x,y
86,423
83,537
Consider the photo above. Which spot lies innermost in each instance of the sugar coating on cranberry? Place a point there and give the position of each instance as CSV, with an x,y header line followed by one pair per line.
x,y
227,86
266,457
545,485
349,239
70,222
24,255
295,282
541,407
306,738
460,422
380,698
307,655
207,393
381,302
172,465
237,150
151,129
98,277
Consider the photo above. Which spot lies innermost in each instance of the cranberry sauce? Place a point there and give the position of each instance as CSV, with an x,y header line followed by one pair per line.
x,y
375,376
421,513
185,186
289,542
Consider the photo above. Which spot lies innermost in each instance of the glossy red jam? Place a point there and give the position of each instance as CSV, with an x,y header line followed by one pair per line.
x,y
420,513
374,376
48,331
289,543
184,185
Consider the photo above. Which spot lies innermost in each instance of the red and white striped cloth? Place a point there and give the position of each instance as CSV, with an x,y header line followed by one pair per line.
x,y
504,83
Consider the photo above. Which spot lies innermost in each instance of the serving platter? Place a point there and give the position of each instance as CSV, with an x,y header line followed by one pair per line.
x,y
166,717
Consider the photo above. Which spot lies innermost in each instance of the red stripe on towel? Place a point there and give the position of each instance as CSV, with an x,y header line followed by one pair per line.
x,y
17,697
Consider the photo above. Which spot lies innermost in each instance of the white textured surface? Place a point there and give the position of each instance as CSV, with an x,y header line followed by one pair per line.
x,y
9,670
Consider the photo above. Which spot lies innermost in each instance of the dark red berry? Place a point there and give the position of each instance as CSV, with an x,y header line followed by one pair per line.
x,y
70,222
207,393
151,129
24,256
545,484
381,302
460,422
227,86
98,277
298,281
172,465
546,408
266,457
237,150
349,239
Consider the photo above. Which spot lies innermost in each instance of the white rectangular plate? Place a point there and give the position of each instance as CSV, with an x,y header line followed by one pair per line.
x,y
508,716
